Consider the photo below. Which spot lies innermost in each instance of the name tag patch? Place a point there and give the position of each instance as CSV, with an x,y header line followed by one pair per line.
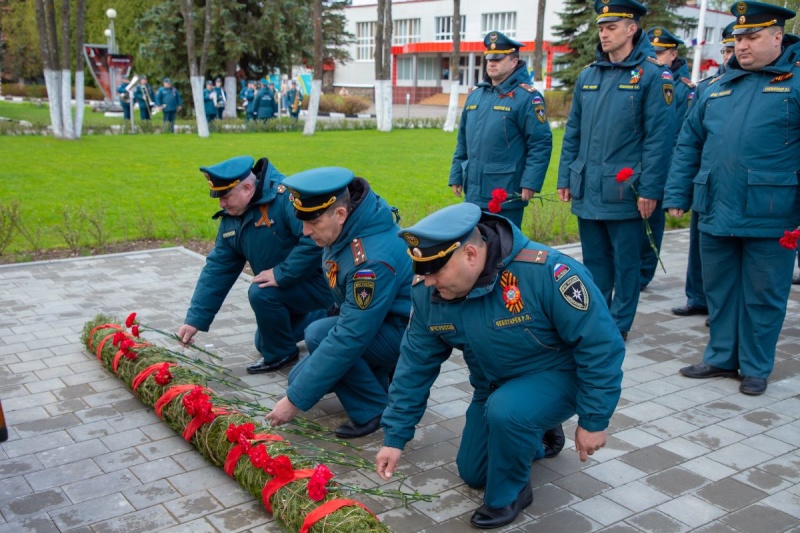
x,y
628,87
776,90
228,234
471,107
501,108
720,94
441,328
501,323
589,87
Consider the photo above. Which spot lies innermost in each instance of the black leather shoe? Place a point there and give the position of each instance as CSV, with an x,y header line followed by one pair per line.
x,y
553,441
352,430
753,386
262,366
624,336
689,310
708,322
487,518
796,280
704,370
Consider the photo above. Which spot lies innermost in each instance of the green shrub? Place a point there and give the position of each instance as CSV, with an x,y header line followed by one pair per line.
x,y
558,103
334,103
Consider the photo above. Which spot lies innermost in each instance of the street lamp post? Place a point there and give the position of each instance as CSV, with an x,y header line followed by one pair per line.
x,y
112,49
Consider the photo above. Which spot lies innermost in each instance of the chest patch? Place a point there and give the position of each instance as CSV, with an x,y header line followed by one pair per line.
x,y
471,107
628,87
229,234
442,328
575,294
363,291
586,87
721,94
501,108
771,89
506,322
512,297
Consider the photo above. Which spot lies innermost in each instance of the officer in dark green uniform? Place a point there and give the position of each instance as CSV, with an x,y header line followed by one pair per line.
x,y
504,139
257,225
666,46
622,122
695,293
352,354
736,164
537,337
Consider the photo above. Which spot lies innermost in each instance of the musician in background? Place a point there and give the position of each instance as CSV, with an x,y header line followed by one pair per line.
x,y
209,101
124,98
144,96
295,98
220,97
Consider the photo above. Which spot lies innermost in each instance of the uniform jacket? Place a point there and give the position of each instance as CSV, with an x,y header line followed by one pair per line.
x,y
124,97
248,96
684,91
291,94
208,103
265,104
370,272
504,140
738,155
221,96
622,116
139,94
268,235
169,98
561,322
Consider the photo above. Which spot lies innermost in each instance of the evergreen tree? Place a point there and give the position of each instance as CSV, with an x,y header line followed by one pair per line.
x,y
578,31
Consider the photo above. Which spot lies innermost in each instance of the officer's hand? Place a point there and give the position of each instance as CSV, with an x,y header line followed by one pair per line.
x,y
283,412
564,194
527,194
646,207
386,462
677,213
186,333
588,442
266,278
456,189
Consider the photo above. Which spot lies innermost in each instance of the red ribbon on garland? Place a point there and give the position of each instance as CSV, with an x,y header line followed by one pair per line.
x,y
198,421
327,508
237,451
115,327
142,376
275,484
169,395
120,353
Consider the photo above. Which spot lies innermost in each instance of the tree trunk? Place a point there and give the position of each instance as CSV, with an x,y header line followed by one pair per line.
x,y
383,66
195,73
231,90
455,60
66,74
538,52
45,22
316,83
80,17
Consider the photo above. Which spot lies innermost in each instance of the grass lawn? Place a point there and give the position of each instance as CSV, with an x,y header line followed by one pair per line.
x,y
40,114
112,188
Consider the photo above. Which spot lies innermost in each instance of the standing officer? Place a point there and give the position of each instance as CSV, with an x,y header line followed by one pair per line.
x,y
538,340
248,96
736,164
221,97
125,99
265,102
169,100
666,47
209,105
622,118
295,98
695,294
144,96
352,354
504,139
257,226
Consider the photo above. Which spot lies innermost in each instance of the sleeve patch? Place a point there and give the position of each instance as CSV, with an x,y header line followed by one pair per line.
x,y
363,292
669,93
559,271
575,294
364,274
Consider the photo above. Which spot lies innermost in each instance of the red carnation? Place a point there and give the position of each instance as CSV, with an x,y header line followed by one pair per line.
x,y
259,456
130,319
499,195
163,375
282,467
494,206
242,432
789,239
118,338
135,330
317,484
316,491
624,174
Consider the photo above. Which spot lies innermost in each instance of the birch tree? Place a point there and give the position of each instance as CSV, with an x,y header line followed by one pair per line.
x,y
196,70
316,83
455,60
383,66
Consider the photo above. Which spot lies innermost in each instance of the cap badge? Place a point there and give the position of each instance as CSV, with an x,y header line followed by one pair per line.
x,y
416,252
411,239
657,32
741,8
655,40
493,46
742,19
493,37
605,9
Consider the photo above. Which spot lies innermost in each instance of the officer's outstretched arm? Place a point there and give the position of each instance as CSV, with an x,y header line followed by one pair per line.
x,y
386,462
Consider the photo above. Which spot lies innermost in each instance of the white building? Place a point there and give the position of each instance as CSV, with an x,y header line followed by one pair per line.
x,y
423,41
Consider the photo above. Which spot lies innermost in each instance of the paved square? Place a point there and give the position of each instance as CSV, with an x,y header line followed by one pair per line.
x,y
84,455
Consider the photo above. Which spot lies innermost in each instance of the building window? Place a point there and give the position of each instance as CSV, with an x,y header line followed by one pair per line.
x,y
503,22
405,31
365,41
444,28
710,33
404,66
428,69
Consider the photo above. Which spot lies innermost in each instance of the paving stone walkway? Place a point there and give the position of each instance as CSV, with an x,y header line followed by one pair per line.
x,y
84,455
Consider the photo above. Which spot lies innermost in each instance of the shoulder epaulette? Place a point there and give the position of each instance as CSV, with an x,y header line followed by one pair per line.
x,y
527,87
281,188
688,82
417,279
714,80
587,66
655,61
531,256
359,255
